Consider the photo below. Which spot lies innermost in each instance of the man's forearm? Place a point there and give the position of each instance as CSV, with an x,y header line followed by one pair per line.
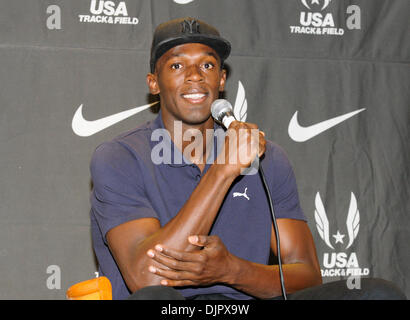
x,y
195,217
198,213
263,281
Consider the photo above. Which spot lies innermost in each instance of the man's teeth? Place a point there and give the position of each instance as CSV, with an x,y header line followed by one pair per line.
x,y
194,96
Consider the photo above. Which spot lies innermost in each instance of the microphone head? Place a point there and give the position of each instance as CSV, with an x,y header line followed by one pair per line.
x,y
220,108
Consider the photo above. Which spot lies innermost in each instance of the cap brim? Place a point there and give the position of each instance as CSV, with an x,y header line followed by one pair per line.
x,y
220,45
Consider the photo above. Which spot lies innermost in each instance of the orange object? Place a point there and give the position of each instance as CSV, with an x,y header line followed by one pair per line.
x,y
94,289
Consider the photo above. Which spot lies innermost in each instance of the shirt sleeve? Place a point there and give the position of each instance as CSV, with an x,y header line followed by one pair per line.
x,y
118,194
283,187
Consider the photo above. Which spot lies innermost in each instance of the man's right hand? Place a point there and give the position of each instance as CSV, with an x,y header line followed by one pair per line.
x,y
243,143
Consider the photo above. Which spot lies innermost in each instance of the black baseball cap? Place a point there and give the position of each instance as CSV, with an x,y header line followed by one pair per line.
x,y
186,30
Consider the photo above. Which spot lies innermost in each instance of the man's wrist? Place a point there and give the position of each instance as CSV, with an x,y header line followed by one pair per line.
x,y
233,270
225,171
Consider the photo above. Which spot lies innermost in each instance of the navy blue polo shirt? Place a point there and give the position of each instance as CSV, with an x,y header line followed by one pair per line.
x,y
128,185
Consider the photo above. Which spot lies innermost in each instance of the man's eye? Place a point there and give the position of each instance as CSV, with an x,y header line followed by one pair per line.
x,y
176,66
208,65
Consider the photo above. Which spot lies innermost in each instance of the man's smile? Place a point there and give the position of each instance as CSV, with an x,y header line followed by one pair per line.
x,y
195,96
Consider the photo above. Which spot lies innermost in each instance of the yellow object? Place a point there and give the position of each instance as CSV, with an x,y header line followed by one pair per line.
x,y
94,289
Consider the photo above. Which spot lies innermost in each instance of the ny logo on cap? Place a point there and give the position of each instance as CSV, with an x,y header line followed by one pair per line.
x,y
190,26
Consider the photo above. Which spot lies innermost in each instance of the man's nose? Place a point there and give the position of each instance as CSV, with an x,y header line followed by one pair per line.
x,y
194,73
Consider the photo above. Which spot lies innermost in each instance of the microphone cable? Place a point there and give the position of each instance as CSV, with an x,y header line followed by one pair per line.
x,y
276,229
221,111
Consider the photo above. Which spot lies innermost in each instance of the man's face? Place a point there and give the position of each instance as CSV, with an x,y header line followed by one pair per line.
x,y
188,79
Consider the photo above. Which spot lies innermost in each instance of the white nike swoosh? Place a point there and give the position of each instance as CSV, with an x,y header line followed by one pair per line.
x,y
183,1
85,128
301,134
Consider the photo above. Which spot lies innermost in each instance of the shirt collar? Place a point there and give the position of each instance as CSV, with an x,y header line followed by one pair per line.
x,y
158,123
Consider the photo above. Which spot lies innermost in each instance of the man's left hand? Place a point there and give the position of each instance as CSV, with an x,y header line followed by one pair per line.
x,y
195,268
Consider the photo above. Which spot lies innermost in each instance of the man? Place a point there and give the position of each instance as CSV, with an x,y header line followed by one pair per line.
x,y
198,225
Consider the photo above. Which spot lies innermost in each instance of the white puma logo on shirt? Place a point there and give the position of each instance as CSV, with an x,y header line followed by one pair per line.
x,y
239,194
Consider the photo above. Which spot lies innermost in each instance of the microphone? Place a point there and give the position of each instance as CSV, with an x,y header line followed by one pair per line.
x,y
222,112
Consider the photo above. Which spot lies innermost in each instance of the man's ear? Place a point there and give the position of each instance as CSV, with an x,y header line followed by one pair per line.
x,y
152,83
222,81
